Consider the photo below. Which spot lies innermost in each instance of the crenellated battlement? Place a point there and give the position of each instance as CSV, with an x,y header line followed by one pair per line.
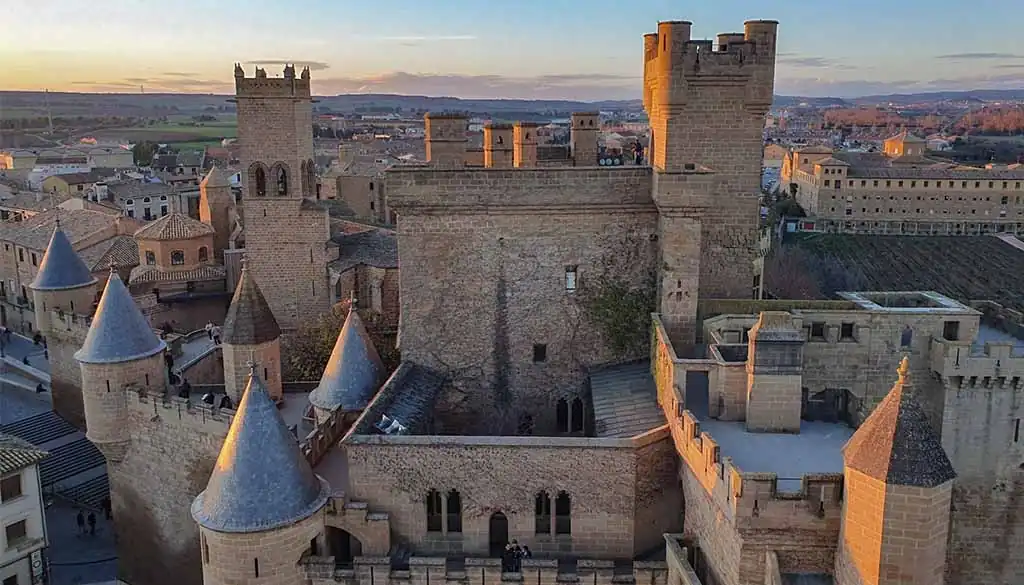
x,y
263,86
67,327
367,570
993,364
747,498
178,410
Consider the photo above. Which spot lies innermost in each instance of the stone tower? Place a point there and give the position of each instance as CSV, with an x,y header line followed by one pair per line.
x,y
250,333
63,287
215,208
445,138
497,145
524,144
353,374
121,351
286,232
706,108
583,132
898,485
263,506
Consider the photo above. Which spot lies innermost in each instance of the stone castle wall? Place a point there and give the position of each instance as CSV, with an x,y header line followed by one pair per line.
x,y
504,238
611,484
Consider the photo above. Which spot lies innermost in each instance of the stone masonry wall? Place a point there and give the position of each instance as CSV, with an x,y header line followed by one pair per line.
x,y
505,237
268,558
502,475
659,496
169,461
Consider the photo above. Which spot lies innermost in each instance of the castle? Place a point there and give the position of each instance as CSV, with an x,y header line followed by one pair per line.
x,y
583,371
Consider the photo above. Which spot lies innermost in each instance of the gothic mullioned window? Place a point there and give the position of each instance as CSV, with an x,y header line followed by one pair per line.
x,y
258,180
434,514
542,513
454,502
563,514
281,181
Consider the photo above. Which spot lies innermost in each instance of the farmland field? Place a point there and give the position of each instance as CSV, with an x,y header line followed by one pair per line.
x,y
965,268
209,133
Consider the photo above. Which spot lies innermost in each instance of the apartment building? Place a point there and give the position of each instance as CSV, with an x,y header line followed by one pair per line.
x,y
21,513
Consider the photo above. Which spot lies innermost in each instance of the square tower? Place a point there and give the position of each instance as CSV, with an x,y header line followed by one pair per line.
x,y
583,134
497,145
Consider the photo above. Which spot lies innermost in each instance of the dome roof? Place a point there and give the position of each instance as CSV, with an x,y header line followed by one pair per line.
x,y
174,226
119,332
249,320
353,371
61,268
261,480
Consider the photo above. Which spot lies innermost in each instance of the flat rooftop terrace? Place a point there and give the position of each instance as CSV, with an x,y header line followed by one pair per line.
x,y
990,334
625,401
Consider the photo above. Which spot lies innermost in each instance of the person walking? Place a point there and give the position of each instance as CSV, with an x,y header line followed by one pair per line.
x,y
216,335
209,330
92,524
80,519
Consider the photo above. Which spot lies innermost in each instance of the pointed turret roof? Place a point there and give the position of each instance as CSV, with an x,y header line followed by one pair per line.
x,y
897,444
61,268
353,371
119,333
261,480
217,177
250,320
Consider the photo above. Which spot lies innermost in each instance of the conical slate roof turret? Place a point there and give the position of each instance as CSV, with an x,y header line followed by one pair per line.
x,y
61,268
261,480
217,177
897,444
353,370
119,333
250,320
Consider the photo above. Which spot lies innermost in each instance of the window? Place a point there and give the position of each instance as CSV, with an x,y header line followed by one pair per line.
x,y
206,550
16,533
35,261
21,255
570,278
281,177
576,418
907,336
454,511
163,210
828,183
562,415
542,513
260,181
846,332
540,353
434,513
10,488
131,213
12,580
256,567
150,258
204,254
563,514
371,185
818,331
177,258
951,330
1004,200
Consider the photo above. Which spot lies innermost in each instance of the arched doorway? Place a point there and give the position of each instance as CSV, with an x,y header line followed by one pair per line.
x,y
342,546
498,534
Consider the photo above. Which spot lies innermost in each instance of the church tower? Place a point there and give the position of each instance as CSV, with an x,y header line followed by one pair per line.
x,y
263,505
216,204
63,288
250,333
286,231
898,488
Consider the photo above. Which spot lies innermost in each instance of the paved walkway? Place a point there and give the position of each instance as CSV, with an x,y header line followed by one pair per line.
x,y
18,403
74,558
20,346
191,350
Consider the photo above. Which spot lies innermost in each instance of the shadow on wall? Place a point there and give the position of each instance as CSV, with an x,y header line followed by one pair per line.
x,y
143,556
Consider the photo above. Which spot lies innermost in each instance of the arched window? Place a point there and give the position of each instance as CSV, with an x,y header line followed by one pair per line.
x,y
281,181
562,415
150,258
563,514
542,513
454,511
501,140
434,513
576,418
259,185
204,254
177,258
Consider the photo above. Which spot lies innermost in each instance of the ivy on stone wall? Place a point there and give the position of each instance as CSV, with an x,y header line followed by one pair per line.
x,y
620,295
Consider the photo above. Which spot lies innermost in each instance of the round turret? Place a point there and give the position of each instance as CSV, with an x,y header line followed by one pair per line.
x,y
63,282
121,353
353,373
263,504
250,333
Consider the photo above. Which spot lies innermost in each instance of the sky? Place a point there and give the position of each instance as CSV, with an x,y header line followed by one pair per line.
x,y
539,49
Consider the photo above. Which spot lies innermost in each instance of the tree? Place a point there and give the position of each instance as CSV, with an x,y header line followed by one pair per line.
x,y
143,153
305,354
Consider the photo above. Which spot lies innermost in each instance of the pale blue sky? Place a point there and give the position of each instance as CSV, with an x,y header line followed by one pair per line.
x,y
496,48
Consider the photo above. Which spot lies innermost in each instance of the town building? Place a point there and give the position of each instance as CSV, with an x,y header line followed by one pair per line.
x,y
902,191
73,183
24,539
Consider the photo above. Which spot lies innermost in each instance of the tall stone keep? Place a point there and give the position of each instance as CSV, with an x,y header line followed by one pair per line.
x,y
584,129
897,492
445,138
286,231
63,288
707,106
216,205
250,333
263,506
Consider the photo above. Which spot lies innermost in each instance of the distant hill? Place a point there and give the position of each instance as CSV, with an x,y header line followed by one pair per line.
x,y
974,95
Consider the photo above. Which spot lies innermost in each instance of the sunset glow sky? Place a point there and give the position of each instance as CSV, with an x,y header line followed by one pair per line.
x,y
573,49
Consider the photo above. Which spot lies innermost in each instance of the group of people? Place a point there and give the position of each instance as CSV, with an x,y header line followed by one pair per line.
x,y
512,557
213,332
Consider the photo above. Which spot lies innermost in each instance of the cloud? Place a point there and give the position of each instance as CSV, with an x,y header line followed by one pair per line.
x,y
177,74
571,86
313,65
1009,66
979,56
813,62
822,87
